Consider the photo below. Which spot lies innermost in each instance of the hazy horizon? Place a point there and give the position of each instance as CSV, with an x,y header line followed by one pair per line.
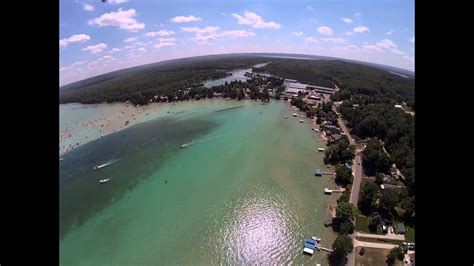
x,y
100,37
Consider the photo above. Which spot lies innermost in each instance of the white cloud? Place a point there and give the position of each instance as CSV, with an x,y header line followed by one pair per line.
x,y
115,50
131,39
325,30
334,40
139,44
348,33
237,33
123,19
256,21
87,7
413,39
128,47
161,33
361,29
352,46
386,43
347,20
74,38
371,47
389,32
164,42
185,19
94,49
210,33
309,8
297,33
116,2
311,40
141,50
389,45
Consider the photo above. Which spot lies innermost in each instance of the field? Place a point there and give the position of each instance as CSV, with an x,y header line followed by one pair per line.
x,y
373,257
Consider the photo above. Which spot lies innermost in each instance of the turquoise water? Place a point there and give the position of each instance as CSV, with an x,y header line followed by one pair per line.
x,y
242,191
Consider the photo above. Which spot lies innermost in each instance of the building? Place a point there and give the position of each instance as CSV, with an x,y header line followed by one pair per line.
x,y
294,91
320,89
400,229
330,130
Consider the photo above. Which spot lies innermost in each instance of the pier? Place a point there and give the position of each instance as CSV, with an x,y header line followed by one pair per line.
x,y
323,248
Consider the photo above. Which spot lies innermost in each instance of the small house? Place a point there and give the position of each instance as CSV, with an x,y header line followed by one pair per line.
x,y
400,229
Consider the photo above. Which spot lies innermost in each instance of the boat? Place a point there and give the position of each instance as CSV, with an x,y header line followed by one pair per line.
x,y
301,120
105,180
321,149
317,239
327,191
285,117
61,159
97,167
295,114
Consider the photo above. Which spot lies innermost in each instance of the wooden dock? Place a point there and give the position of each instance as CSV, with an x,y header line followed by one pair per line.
x,y
323,248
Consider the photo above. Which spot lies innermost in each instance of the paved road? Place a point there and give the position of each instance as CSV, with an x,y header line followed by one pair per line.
x,y
356,167
387,236
358,243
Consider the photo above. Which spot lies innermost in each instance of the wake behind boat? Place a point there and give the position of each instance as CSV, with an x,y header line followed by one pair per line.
x,y
97,167
105,180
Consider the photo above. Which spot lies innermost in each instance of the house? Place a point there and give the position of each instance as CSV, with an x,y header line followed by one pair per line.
x,y
400,229
330,129
334,137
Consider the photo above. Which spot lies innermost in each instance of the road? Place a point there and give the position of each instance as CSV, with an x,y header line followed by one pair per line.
x,y
357,171
358,243
387,236
356,166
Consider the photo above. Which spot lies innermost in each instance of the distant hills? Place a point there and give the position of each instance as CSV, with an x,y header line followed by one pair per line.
x,y
187,60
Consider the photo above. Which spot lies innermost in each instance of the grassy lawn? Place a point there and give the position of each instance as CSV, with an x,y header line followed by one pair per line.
x,y
373,257
380,240
410,235
361,224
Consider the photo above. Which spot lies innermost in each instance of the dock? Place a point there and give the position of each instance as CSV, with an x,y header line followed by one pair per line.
x,y
323,248
330,191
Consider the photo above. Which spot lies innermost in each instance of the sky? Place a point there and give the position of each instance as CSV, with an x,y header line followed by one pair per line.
x,y
98,37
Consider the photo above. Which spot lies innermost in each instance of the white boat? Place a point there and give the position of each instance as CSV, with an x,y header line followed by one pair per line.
x,y
97,167
295,114
308,251
301,120
285,116
317,239
327,191
105,180
321,149
61,159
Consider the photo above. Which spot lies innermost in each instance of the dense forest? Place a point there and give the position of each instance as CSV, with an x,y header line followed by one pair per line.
x,y
356,79
139,85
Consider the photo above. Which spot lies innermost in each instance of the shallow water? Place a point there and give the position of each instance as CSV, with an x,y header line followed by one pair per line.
x,y
242,191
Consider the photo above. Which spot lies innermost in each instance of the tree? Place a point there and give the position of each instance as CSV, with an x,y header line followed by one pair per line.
x,y
388,200
346,227
374,221
375,159
343,174
341,247
379,178
368,196
345,212
396,253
